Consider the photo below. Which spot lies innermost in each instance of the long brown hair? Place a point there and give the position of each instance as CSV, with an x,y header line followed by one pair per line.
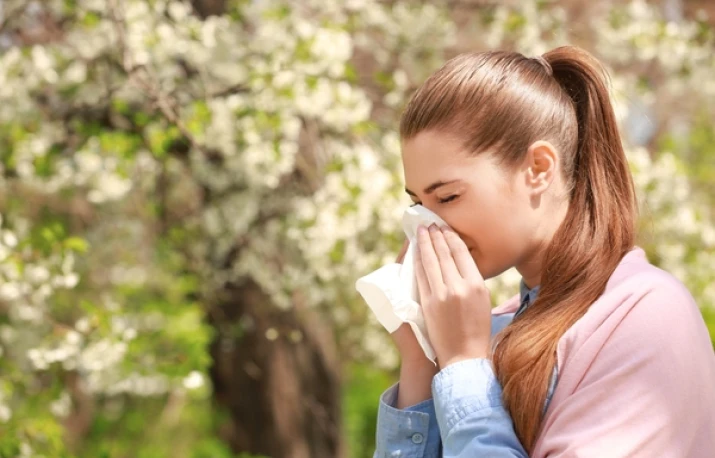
x,y
503,102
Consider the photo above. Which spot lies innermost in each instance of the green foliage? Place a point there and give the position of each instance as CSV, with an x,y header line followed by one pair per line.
x,y
157,428
361,396
139,178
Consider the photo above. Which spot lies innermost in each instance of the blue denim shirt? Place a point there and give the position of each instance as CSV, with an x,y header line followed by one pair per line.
x,y
464,418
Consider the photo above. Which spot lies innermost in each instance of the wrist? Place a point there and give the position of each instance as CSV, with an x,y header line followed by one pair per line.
x,y
415,357
415,382
448,361
407,345
418,365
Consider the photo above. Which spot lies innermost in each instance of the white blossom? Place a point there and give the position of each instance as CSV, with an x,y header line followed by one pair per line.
x,y
308,183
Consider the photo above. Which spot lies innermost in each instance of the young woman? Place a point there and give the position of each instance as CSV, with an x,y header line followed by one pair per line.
x,y
603,354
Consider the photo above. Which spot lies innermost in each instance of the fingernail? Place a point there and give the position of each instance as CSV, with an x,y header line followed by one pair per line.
x,y
433,227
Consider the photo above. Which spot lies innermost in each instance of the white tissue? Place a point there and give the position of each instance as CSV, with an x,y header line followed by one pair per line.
x,y
391,291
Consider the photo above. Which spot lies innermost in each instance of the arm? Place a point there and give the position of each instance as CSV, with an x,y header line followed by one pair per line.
x,y
416,371
485,430
396,428
410,432
406,421
413,430
472,420
466,418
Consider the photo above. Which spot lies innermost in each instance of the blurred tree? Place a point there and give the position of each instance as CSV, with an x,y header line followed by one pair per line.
x,y
189,189
207,137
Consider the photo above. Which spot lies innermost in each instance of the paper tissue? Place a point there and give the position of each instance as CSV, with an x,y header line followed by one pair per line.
x,y
391,291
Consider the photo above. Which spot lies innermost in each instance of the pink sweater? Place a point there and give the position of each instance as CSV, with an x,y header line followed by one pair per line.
x,y
636,374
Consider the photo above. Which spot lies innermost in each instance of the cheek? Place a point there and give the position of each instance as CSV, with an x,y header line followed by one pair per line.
x,y
467,223
477,219
483,218
488,231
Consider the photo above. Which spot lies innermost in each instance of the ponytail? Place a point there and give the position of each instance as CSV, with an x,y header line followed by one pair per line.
x,y
598,230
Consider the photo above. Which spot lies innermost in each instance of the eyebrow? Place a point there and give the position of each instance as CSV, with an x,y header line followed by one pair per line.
x,y
431,188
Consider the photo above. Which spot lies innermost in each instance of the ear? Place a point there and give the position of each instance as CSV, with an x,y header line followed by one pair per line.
x,y
542,164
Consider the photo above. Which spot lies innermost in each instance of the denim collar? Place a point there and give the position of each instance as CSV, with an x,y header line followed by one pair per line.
x,y
527,296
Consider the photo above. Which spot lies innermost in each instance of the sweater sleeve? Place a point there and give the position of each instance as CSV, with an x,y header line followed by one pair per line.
x,y
646,388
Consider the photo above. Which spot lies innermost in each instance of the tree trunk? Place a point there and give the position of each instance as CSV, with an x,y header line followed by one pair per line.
x,y
206,8
276,373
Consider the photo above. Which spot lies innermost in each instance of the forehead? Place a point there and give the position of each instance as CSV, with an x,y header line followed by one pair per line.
x,y
432,155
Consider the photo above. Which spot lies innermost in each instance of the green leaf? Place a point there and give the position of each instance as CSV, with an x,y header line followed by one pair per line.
x,y
77,244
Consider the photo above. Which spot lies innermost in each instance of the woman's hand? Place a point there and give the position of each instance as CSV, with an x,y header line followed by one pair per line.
x,y
455,301
404,338
416,371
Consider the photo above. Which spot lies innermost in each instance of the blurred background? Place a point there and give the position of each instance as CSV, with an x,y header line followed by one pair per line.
x,y
189,190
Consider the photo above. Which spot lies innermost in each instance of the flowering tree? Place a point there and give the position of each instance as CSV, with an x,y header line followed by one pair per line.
x,y
189,190
163,171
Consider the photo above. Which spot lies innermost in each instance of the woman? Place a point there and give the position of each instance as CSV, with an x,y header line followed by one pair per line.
x,y
602,354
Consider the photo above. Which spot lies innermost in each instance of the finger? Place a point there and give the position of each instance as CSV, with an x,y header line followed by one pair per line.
x,y
430,263
422,283
460,253
450,273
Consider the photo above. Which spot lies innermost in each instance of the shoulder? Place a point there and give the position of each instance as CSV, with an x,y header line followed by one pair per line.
x,y
658,310
641,290
645,313
647,332
638,363
637,286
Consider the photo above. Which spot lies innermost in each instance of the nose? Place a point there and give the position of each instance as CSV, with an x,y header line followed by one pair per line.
x,y
436,212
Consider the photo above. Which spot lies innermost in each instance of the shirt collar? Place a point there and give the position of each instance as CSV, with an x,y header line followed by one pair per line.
x,y
526,292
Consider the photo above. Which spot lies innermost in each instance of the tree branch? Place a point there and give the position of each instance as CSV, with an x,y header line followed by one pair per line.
x,y
149,83
10,16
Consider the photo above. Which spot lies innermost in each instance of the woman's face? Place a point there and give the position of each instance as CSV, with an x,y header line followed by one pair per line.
x,y
494,210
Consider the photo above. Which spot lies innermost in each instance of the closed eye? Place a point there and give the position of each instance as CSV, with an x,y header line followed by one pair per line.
x,y
440,201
